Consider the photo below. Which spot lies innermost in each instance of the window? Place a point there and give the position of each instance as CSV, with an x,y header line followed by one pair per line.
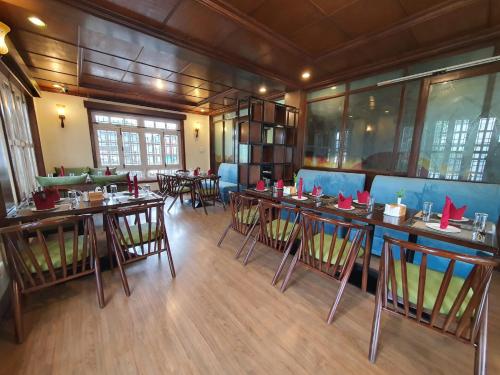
x,y
140,145
223,141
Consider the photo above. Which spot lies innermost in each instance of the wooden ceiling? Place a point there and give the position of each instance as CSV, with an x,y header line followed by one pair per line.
x,y
203,54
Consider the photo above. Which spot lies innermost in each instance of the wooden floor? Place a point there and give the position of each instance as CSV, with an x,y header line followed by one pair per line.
x,y
218,317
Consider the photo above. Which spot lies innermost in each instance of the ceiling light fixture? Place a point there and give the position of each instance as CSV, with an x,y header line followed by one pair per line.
x,y
37,21
334,87
4,29
262,90
159,84
203,109
306,75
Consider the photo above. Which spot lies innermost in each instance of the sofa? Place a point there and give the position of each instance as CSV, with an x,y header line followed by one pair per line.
x,y
332,182
97,177
478,197
228,174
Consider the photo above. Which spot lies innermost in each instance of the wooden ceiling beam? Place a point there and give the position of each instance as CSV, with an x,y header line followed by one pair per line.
x,y
174,37
436,11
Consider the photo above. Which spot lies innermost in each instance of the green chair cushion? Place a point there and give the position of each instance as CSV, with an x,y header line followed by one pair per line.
x,y
77,171
106,180
61,181
433,281
54,253
274,230
134,229
95,171
185,189
247,215
326,248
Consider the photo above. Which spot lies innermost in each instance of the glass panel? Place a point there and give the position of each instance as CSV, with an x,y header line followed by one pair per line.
x,y
324,123
228,141
443,62
149,124
131,148
117,120
412,93
171,126
101,119
130,122
329,91
218,134
171,149
371,129
160,125
461,135
153,148
373,80
108,147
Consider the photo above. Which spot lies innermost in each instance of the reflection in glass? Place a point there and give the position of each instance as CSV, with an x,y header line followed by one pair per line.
x,y
324,124
461,135
228,141
412,91
218,134
371,129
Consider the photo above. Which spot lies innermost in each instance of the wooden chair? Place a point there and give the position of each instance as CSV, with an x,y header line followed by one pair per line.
x,y
173,186
207,189
137,232
277,228
49,252
244,213
441,301
323,249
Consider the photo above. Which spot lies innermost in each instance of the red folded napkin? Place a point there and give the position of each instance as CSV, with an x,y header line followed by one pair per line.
x,y
344,202
457,213
445,215
280,184
210,172
108,172
196,172
136,187
129,182
42,202
299,189
315,191
363,197
260,185
52,194
61,172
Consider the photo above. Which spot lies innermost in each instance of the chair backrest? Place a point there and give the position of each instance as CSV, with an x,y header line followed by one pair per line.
x,y
138,231
167,184
441,301
208,187
278,222
330,245
50,251
244,211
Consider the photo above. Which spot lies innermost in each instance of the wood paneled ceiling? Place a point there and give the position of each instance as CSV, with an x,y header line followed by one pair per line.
x,y
203,54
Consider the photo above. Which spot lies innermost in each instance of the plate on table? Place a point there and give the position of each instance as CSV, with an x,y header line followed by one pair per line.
x,y
448,229
344,209
296,197
34,209
357,202
462,220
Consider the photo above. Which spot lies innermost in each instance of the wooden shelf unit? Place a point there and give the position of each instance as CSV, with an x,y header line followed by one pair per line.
x,y
266,141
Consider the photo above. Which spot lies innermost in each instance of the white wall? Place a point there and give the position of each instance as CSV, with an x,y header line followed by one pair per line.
x,y
71,146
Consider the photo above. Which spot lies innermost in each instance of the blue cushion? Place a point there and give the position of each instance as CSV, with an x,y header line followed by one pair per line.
x,y
225,188
228,172
333,182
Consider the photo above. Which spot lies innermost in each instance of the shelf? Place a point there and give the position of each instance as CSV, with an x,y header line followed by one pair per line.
x,y
278,154
248,174
280,117
257,110
250,132
269,112
279,136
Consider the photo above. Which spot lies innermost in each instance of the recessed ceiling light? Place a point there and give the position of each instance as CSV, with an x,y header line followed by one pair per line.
x,y
334,87
203,110
159,84
262,89
36,21
386,111
306,75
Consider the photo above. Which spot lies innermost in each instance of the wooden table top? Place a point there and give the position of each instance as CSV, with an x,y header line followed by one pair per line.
x,y
410,223
120,200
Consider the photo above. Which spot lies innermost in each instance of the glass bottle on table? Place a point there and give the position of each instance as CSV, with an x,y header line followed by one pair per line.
x,y
426,211
479,226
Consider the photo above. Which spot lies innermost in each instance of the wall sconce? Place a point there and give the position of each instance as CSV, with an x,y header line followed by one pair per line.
x,y
61,111
369,128
4,29
196,131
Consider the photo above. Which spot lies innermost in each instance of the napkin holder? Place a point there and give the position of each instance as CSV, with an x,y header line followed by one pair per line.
x,y
394,209
289,190
96,196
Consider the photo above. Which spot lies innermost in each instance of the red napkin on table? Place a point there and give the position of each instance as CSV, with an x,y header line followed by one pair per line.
x,y
445,215
42,201
456,213
196,172
315,191
344,202
280,184
363,197
299,189
61,173
210,172
260,185
129,181
52,194
108,172
136,187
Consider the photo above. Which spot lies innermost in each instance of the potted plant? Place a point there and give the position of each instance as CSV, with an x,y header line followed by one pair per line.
x,y
400,195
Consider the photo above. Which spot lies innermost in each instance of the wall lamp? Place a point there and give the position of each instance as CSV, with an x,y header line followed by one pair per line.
x,y
4,29
61,111
196,131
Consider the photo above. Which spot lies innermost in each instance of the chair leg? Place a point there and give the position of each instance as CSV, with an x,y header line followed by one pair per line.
x,y
250,251
224,234
376,319
480,357
240,250
284,259
335,304
16,311
123,276
366,261
98,279
169,255
290,269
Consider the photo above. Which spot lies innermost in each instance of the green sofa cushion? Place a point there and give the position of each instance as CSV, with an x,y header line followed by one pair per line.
x,y
106,180
326,248
54,251
61,181
95,171
77,170
433,281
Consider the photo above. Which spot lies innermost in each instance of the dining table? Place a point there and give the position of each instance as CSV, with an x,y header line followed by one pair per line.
x,y
411,222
